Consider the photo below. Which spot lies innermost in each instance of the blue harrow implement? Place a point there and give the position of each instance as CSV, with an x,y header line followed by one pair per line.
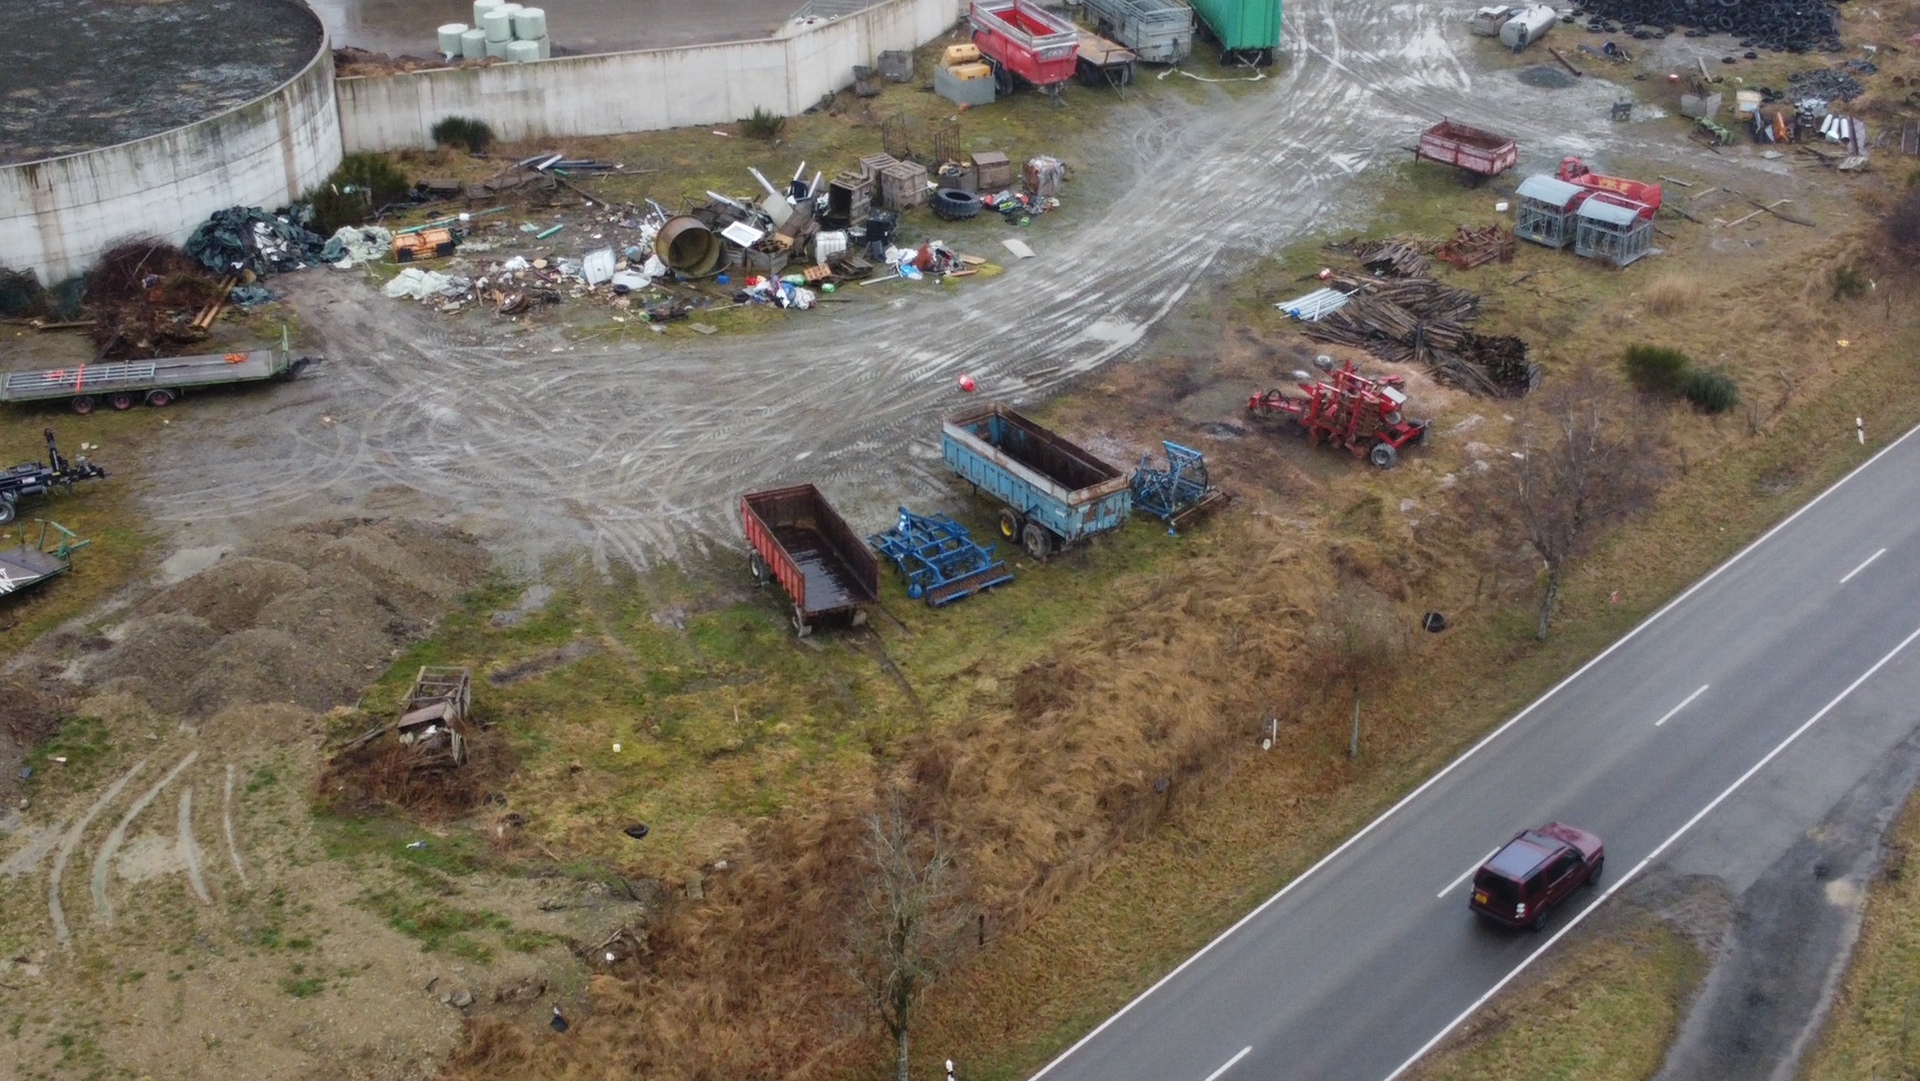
x,y
1180,493
938,558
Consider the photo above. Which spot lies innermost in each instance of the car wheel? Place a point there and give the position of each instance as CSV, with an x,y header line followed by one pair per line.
x,y
1540,921
1599,865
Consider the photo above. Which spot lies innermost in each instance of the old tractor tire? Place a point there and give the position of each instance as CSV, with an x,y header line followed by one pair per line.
x,y
1011,523
953,204
1383,455
1037,541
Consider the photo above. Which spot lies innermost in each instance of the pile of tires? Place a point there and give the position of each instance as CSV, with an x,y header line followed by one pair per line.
x,y
955,205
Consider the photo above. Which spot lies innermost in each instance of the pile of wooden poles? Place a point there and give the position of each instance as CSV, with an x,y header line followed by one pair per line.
x,y
1394,258
1420,321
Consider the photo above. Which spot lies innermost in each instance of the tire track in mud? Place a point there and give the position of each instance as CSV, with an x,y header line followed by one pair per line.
x,y
635,453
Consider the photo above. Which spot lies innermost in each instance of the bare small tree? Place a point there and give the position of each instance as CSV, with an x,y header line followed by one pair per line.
x,y
1587,457
905,928
1358,639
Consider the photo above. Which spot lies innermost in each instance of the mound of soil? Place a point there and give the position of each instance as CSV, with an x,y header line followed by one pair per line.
x,y
307,618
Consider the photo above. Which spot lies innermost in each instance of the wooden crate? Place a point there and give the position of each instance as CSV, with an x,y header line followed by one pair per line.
x,y
903,186
873,165
849,198
993,171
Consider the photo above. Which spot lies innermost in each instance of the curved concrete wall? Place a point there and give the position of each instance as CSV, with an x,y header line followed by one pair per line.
x,y
59,214
638,91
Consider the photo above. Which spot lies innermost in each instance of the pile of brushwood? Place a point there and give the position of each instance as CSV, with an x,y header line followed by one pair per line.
x,y
1420,321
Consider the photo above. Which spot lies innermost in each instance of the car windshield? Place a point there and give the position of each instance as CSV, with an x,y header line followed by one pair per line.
x,y
1501,892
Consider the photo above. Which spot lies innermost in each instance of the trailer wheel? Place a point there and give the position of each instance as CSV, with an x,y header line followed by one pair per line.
x,y
1383,455
1011,523
159,399
1037,541
1002,78
121,402
801,628
6,510
758,568
83,404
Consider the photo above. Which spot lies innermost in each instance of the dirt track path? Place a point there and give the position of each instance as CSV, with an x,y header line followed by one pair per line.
x,y
637,453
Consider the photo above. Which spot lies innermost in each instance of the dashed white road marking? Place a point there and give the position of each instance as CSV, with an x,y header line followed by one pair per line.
x,y
1668,716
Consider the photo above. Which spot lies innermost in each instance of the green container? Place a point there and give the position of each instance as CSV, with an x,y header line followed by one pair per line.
x,y
1248,30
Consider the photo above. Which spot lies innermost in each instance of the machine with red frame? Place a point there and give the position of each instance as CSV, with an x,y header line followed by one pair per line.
x,y
1575,171
1348,410
1024,42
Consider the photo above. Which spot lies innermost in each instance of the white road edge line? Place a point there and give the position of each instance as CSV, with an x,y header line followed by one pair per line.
x,y
1463,875
1215,1075
1475,749
1668,716
1863,565
1655,854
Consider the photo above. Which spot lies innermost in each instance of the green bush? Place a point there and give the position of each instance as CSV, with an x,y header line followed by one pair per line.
x,y
763,124
1849,283
475,136
363,184
1657,369
1711,391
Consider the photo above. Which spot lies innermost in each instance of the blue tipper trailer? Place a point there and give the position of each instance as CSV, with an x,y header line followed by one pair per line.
x,y
1056,494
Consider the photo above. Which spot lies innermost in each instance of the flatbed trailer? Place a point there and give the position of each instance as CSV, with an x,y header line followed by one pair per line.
x,y
158,382
800,541
30,563
1055,493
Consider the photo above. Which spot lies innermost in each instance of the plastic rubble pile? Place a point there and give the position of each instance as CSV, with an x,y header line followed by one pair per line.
x,y
779,292
247,238
1018,207
355,244
427,284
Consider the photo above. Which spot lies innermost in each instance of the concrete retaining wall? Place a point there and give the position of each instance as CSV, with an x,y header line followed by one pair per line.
x,y
638,91
59,214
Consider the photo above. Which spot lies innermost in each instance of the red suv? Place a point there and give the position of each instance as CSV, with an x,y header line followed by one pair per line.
x,y
1534,872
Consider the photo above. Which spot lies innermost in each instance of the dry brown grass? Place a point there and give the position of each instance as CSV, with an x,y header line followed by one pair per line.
x,y
1674,294
1125,751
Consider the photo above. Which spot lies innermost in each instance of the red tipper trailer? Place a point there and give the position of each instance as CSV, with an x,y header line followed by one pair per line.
x,y
1575,171
1021,38
1477,154
800,541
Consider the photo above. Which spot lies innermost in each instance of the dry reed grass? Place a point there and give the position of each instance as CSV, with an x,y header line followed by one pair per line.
x,y
1674,294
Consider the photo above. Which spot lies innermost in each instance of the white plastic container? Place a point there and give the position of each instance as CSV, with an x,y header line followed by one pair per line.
x,y
498,23
473,45
450,39
530,24
520,52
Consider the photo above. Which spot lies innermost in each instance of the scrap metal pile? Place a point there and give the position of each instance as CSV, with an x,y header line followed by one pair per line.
x,y
1777,25
1420,321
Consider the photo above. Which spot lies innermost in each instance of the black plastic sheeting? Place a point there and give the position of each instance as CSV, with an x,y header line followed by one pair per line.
x,y
1796,26
249,238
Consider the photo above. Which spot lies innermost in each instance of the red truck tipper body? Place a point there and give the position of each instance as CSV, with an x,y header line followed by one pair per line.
x,y
1020,37
1476,153
800,541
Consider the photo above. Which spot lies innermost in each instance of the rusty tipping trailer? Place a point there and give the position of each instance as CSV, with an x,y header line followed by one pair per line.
x,y
800,541
1054,492
1478,154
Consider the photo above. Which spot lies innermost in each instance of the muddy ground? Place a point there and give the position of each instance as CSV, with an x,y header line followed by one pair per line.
x,y
293,522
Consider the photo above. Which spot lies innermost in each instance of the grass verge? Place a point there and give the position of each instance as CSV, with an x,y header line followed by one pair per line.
x,y
1871,1029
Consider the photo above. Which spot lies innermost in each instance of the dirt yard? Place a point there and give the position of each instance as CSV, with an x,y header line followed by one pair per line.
x,y
304,536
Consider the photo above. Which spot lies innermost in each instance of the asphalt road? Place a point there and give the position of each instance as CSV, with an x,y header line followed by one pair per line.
x,y
1714,735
